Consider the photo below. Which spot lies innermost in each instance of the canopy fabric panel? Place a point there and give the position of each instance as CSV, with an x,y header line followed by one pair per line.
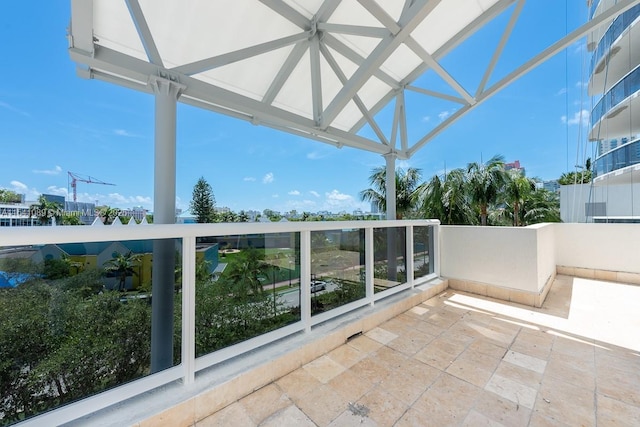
x,y
322,69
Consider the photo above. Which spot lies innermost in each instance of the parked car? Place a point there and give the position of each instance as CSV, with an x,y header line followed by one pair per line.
x,y
317,286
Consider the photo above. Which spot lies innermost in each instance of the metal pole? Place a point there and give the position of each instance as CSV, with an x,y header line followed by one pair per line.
x,y
390,182
164,212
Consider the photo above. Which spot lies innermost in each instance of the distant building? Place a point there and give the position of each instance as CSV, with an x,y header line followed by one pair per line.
x,y
515,166
552,185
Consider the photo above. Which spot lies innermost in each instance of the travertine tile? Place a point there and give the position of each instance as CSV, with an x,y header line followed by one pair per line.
x,y
525,361
564,402
484,346
614,412
263,402
404,387
233,414
381,335
447,401
290,416
389,357
519,374
384,409
346,355
350,386
502,410
298,383
181,415
365,344
512,390
411,343
370,370
324,368
475,418
350,418
322,405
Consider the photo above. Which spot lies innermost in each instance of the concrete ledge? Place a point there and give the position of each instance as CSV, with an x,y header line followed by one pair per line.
x,y
281,358
502,293
607,275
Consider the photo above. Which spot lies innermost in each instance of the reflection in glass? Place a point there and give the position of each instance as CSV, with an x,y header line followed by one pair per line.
x,y
389,257
422,249
620,157
251,288
75,320
337,268
626,87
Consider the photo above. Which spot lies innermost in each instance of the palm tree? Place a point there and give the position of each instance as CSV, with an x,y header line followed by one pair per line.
x,y
517,189
484,181
541,206
44,210
123,266
108,214
407,183
446,199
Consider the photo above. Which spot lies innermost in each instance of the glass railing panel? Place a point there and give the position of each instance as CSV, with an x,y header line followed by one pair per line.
x,y
619,25
629,85
246,285
76,319
389,258
337,268
422,251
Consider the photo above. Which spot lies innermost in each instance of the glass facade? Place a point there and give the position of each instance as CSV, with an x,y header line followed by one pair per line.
x,y
618,26
621,157
622,90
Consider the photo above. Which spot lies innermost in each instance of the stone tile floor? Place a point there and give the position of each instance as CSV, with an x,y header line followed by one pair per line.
x,y
465,360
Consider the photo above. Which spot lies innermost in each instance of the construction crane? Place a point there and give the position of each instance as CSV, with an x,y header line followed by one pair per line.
x,y
74,178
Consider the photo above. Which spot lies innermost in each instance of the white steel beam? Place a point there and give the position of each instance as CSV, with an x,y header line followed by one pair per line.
x,y
435,66
144,33
503,42
396,119
436,94
357,59
285,71
552,50
355,30
287,12
403,122
416,14
363,109
239,55
316,79
470,29
81,28
381,15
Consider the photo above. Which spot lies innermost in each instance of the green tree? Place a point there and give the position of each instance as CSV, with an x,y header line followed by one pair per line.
x,y
517,189
123,265
446,199
407,183
484,181
45,210
8,196
107,214
541,206
203,202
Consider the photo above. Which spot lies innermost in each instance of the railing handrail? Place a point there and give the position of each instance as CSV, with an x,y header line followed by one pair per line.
x,y
39,235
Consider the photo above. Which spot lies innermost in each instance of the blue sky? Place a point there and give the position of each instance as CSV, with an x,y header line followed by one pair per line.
x,y
52,121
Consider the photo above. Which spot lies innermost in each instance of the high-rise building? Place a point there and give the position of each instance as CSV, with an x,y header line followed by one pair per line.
x,y
614,85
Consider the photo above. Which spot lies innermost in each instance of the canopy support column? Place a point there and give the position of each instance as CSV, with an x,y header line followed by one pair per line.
x,y
390,182
166,93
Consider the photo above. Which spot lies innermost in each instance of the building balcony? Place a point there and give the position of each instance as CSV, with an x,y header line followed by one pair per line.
x,y
615,55
620,157
507,335
615,115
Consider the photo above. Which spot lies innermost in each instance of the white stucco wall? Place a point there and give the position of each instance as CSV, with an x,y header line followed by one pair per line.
x,y
500,256
524,258
612,247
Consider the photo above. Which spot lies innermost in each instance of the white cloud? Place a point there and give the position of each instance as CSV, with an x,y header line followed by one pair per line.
x,y
314,155
19,186
126,133
14,109
58,191
425,119
561,91
249,178
581,84
314,193
55,171
443,115
579,117
268,178
275,196
294,193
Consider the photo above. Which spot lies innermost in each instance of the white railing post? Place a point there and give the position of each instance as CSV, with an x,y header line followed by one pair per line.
x,y
434,248
409,257
188,308
305,279
369,263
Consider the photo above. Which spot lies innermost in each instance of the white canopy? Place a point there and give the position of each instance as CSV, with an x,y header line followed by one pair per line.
x,y
318,68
